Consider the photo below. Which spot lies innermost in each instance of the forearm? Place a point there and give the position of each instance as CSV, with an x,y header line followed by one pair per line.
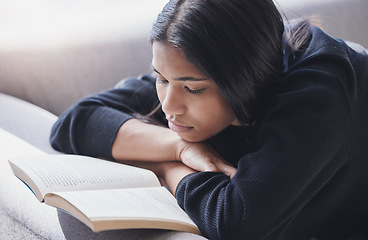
x,y
136,140
173,173
87,130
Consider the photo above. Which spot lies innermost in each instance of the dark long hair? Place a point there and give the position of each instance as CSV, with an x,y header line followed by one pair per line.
x,y
237,43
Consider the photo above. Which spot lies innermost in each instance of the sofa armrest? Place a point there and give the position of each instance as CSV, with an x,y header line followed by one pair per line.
x,y
27,121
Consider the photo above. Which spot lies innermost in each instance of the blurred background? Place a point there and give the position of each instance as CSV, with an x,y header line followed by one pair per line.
x,y
67,49
54,52
53,23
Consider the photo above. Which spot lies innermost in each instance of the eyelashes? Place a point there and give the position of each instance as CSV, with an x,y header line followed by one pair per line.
x,y
195,91
161,81
188,89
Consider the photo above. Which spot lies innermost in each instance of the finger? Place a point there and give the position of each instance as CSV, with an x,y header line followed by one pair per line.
x,y
199,162
201,165
210,167
226,168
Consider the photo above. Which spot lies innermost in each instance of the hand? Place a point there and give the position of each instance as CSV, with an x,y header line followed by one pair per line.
x,y
201,157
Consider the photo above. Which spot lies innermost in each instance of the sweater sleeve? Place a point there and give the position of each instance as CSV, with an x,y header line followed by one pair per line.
x,y
89,127
302,142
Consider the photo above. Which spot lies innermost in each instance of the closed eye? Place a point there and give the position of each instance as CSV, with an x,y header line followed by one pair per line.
x,y
195,91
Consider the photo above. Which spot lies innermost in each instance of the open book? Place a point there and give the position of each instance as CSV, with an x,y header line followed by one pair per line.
x,y
102,194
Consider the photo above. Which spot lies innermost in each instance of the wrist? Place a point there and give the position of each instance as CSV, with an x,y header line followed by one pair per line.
x,y
180,146
173,173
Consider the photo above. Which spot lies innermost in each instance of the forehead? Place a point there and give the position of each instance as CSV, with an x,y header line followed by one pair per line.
x,y
169,60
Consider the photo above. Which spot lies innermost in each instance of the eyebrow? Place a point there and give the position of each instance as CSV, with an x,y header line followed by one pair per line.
x,y
182,78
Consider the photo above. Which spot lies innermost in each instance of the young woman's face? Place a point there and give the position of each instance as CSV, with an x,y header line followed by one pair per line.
x,y
194,106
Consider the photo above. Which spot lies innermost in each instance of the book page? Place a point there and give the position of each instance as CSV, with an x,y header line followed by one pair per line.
x,y
145,204
74,172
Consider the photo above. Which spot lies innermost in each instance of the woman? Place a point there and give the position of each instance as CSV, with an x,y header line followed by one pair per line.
x,y
267,130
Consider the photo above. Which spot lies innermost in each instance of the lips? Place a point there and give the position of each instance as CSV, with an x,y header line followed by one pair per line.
x,y
176,127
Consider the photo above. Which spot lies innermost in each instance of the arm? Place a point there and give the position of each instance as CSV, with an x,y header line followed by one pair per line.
x,y
102,126
89,127
136,140
145,142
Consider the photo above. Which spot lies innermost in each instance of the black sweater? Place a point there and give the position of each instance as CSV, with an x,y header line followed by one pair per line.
x,y
302,169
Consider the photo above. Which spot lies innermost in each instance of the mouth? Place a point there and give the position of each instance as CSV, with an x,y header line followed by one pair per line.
x,y
176,127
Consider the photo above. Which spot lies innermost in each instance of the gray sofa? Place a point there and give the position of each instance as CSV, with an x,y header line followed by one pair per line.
x,y
40,79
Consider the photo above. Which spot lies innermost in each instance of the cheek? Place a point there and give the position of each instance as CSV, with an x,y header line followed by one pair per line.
x,y
215,114
223,116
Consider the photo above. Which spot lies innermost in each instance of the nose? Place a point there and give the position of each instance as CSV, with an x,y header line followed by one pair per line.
x,y
173,102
